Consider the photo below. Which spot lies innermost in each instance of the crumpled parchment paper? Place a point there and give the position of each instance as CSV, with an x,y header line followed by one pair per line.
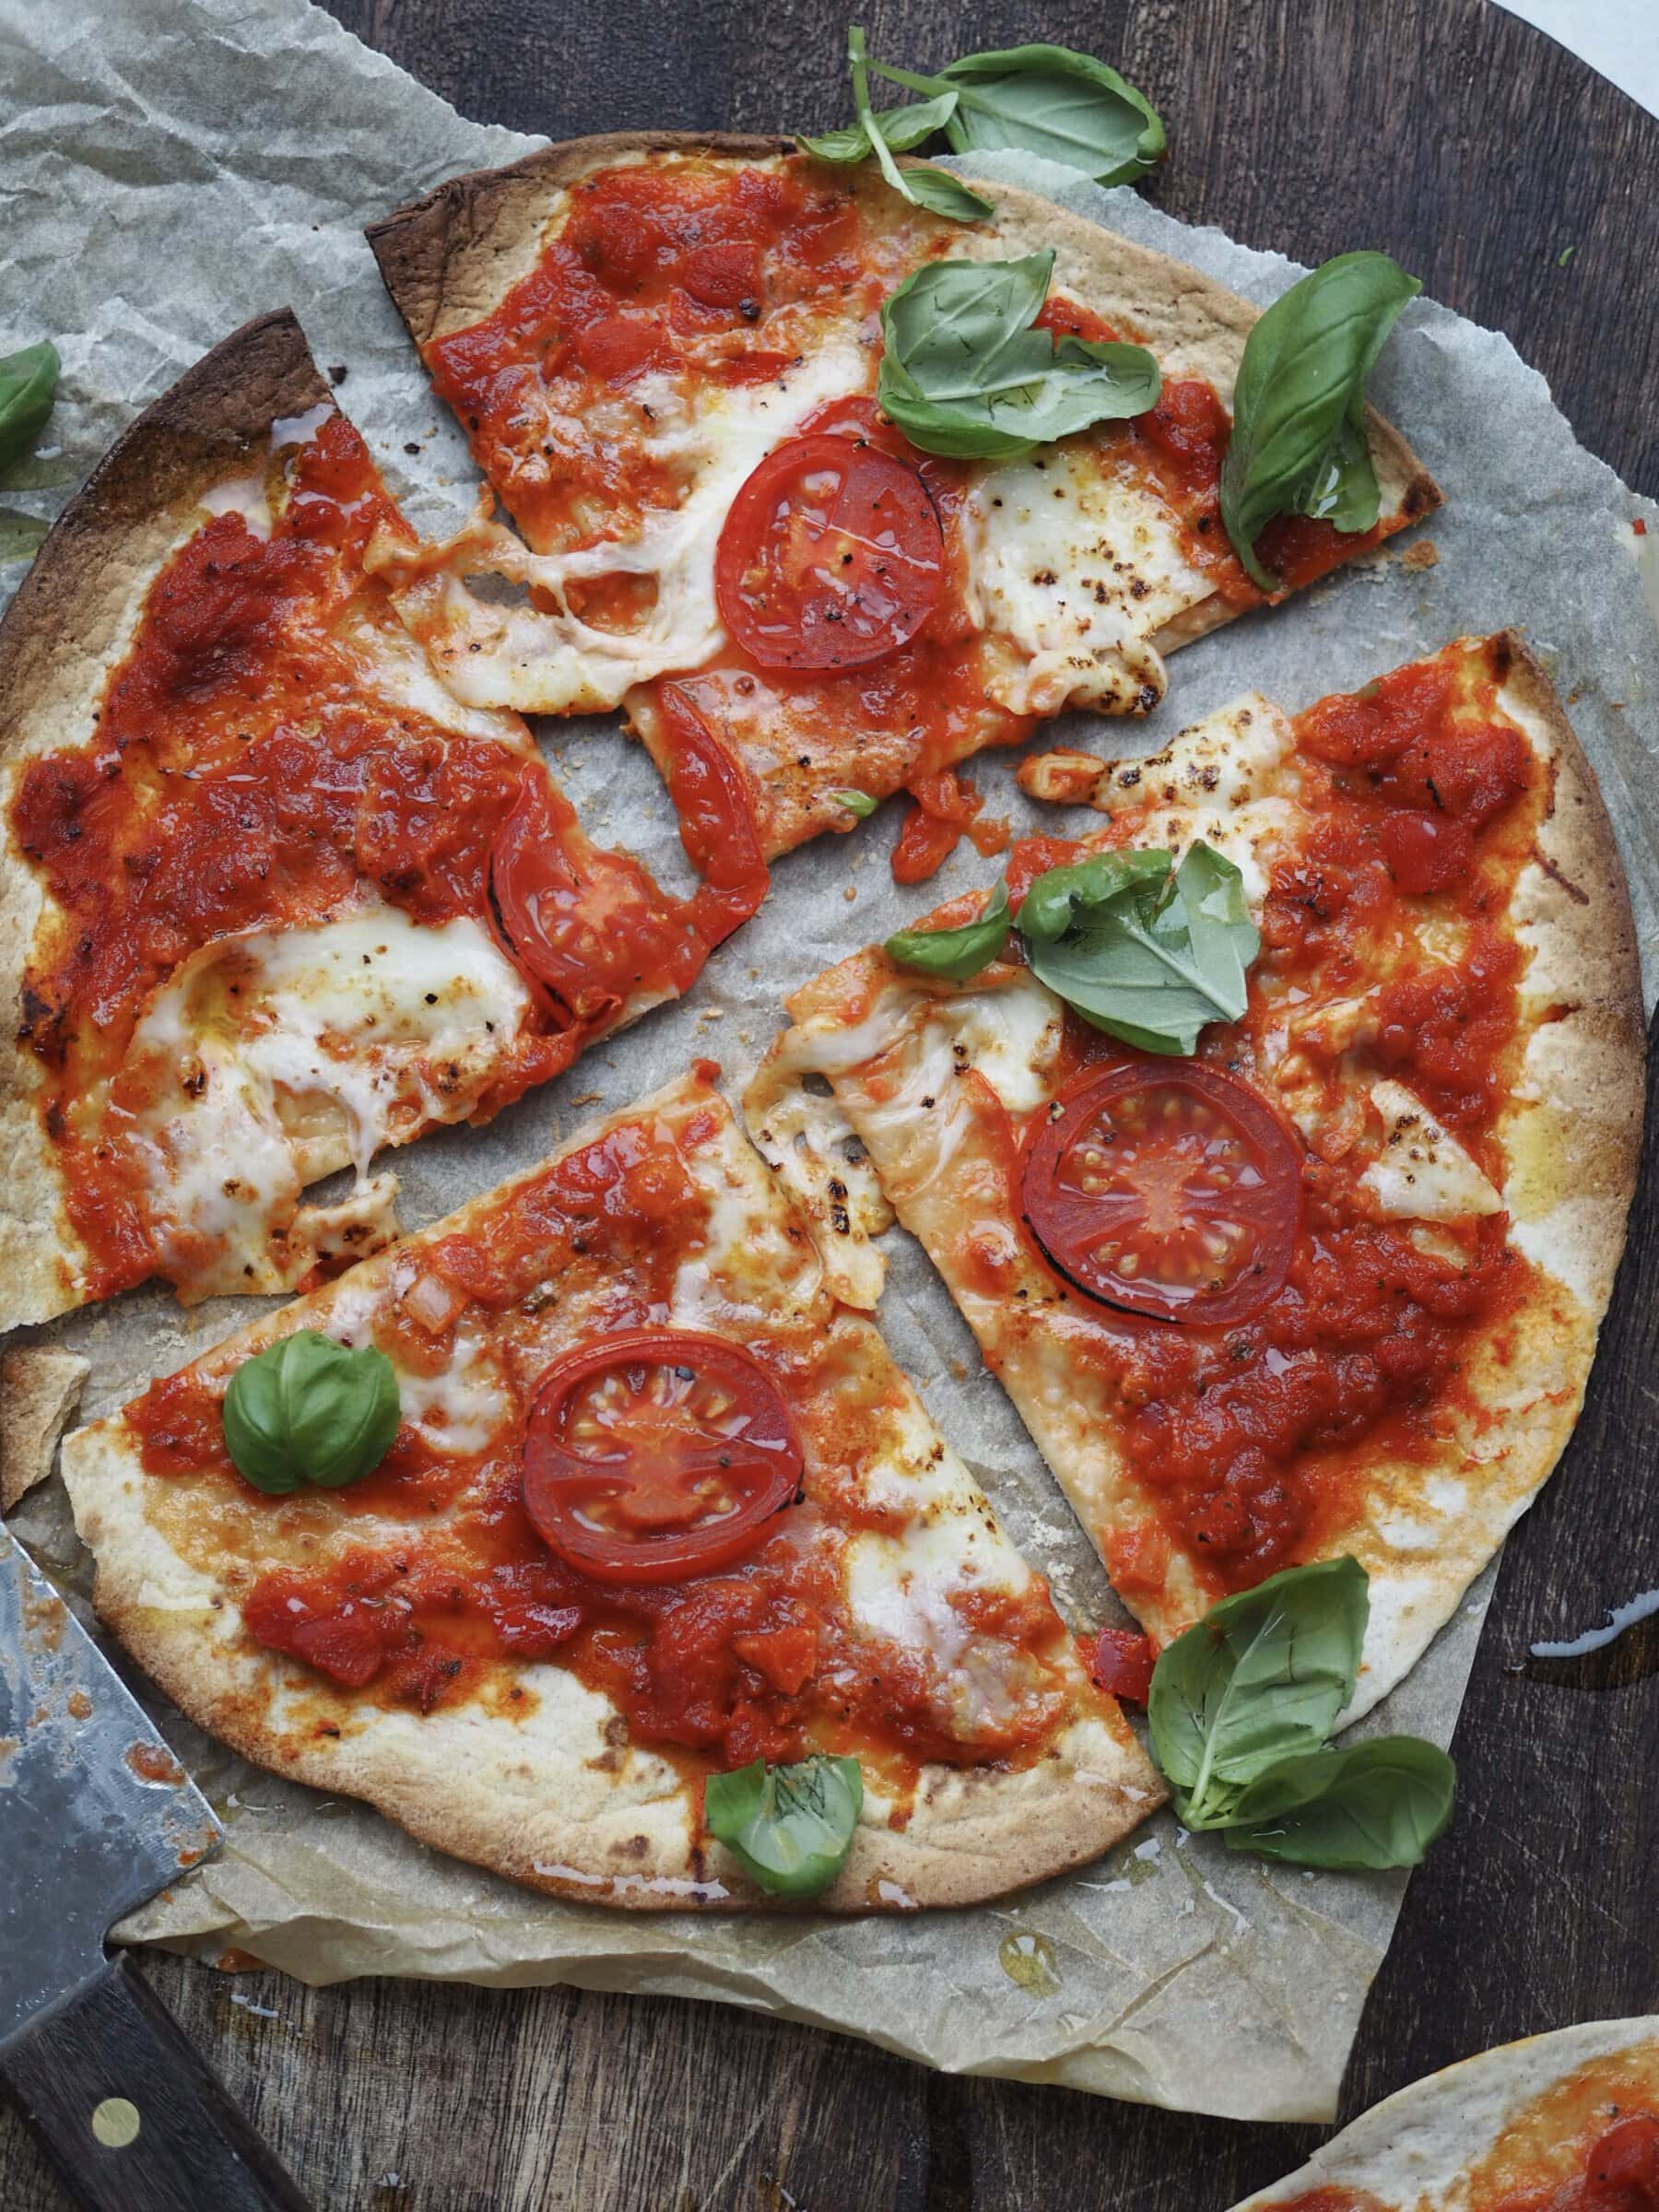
x,y
165,173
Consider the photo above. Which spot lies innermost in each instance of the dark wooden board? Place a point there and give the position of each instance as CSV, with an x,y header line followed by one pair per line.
x,y
1476,151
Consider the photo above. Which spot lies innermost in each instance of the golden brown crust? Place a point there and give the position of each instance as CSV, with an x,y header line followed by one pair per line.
x,y
40,1389
60,637
556,1797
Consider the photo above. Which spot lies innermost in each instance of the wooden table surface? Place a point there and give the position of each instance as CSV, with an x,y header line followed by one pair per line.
x,y
1476,151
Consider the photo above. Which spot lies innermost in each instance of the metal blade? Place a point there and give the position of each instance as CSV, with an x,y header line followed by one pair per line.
x,y
96,1814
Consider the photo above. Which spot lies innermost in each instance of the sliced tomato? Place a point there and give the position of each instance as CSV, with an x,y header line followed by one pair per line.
x,y
717,814
1122,1663
831,556
587,925
1622,2171
1167,1189
657,1453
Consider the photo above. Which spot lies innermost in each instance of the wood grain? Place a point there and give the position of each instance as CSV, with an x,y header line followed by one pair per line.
x,y
1478,152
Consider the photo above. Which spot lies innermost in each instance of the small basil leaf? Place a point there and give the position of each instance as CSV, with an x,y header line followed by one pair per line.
x,y
856,802
1379,1804
1299,443
904,128
1261,1678
27,386
1153,961
790,1826
948,197
1066,107
841,147
308,1409
1064,895
956,953
965,374
941,194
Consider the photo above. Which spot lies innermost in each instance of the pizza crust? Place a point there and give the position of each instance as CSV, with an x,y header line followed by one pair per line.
x,y
1571,1140
558,1800
71,622
1414,2149
40,1390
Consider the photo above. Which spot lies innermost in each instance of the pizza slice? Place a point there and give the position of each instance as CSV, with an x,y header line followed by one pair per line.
x,y
580,1499
665,352
1315,1264
274,897
1561,2123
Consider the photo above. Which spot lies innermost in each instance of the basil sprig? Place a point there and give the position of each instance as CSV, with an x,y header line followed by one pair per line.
x,y
1240,1710
1299,443
790,1826
27,386
1146,951
965,372
898,129
310,1411
1066,106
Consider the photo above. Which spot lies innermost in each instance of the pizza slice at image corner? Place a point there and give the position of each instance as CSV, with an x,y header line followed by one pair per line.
x,y
1319,1267
276,899
602,1496
1567,2122
664,349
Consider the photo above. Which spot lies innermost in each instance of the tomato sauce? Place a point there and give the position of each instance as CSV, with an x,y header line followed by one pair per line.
x,y
757,1660
1252,1442
243,776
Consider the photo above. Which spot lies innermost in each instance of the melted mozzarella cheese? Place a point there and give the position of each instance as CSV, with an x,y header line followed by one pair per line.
x,y
1079,568
1228,758
1422,1174
462,1406
273,1058
1010,1034
545,658
1251,836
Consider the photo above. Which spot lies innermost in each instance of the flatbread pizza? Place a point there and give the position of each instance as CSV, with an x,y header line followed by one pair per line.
x,y
1561,2123
655,1505
1316,1267
664,351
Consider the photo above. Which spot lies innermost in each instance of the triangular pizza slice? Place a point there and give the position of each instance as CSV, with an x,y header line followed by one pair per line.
x,y
664,351
273,897
1321,1277
580,1499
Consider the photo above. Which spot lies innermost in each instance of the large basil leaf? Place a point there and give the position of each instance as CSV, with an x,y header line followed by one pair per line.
x,y
27,386
1153,961
1260,1679
1379,1804
1063,898
1049,100
1299,443
307,1409
956,953
964,373
791,1827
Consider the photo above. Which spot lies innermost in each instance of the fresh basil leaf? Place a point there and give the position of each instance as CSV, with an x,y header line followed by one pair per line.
x,y
901,128
942,194
956,953
1066,897
965,374
27,386
1153,961
790,1826
1050,101
1299,443
856,802
1261,1678
933,189
308,1409
1380,1804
